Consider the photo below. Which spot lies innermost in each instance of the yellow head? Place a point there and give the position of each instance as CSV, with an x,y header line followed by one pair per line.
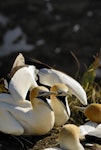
x,y
93,112
69,137
60,89
38,95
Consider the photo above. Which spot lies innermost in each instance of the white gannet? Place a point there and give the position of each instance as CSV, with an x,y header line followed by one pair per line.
x,y
50,77
23,78
93,130
59,103
69,138
37,119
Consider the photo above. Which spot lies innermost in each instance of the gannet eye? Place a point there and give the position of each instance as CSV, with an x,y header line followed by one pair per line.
x,y
62,93
59,93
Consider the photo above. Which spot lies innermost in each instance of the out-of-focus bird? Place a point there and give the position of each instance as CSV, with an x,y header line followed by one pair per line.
x,y
92,128
93,112
69,138
35,119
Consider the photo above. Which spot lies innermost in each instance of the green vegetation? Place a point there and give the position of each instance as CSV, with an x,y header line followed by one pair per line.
x,y
93,91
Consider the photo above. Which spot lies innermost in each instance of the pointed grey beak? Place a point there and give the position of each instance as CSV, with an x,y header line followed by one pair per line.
x,y
63,93
46,93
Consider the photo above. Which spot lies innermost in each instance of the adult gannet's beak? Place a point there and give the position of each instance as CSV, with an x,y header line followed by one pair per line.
x,y
44,95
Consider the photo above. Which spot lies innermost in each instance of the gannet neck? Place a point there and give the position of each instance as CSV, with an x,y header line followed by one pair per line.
x,y
22,81
60,110
69,138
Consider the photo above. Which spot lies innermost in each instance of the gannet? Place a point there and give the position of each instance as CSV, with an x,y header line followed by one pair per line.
x,y
37,119
93,113
69,138
59,104
92,128
49,77
23,78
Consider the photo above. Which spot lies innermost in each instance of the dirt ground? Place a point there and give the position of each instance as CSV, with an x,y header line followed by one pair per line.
x,y
58,30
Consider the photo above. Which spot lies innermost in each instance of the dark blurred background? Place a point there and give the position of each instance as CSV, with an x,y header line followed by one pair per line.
x,y
51,31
